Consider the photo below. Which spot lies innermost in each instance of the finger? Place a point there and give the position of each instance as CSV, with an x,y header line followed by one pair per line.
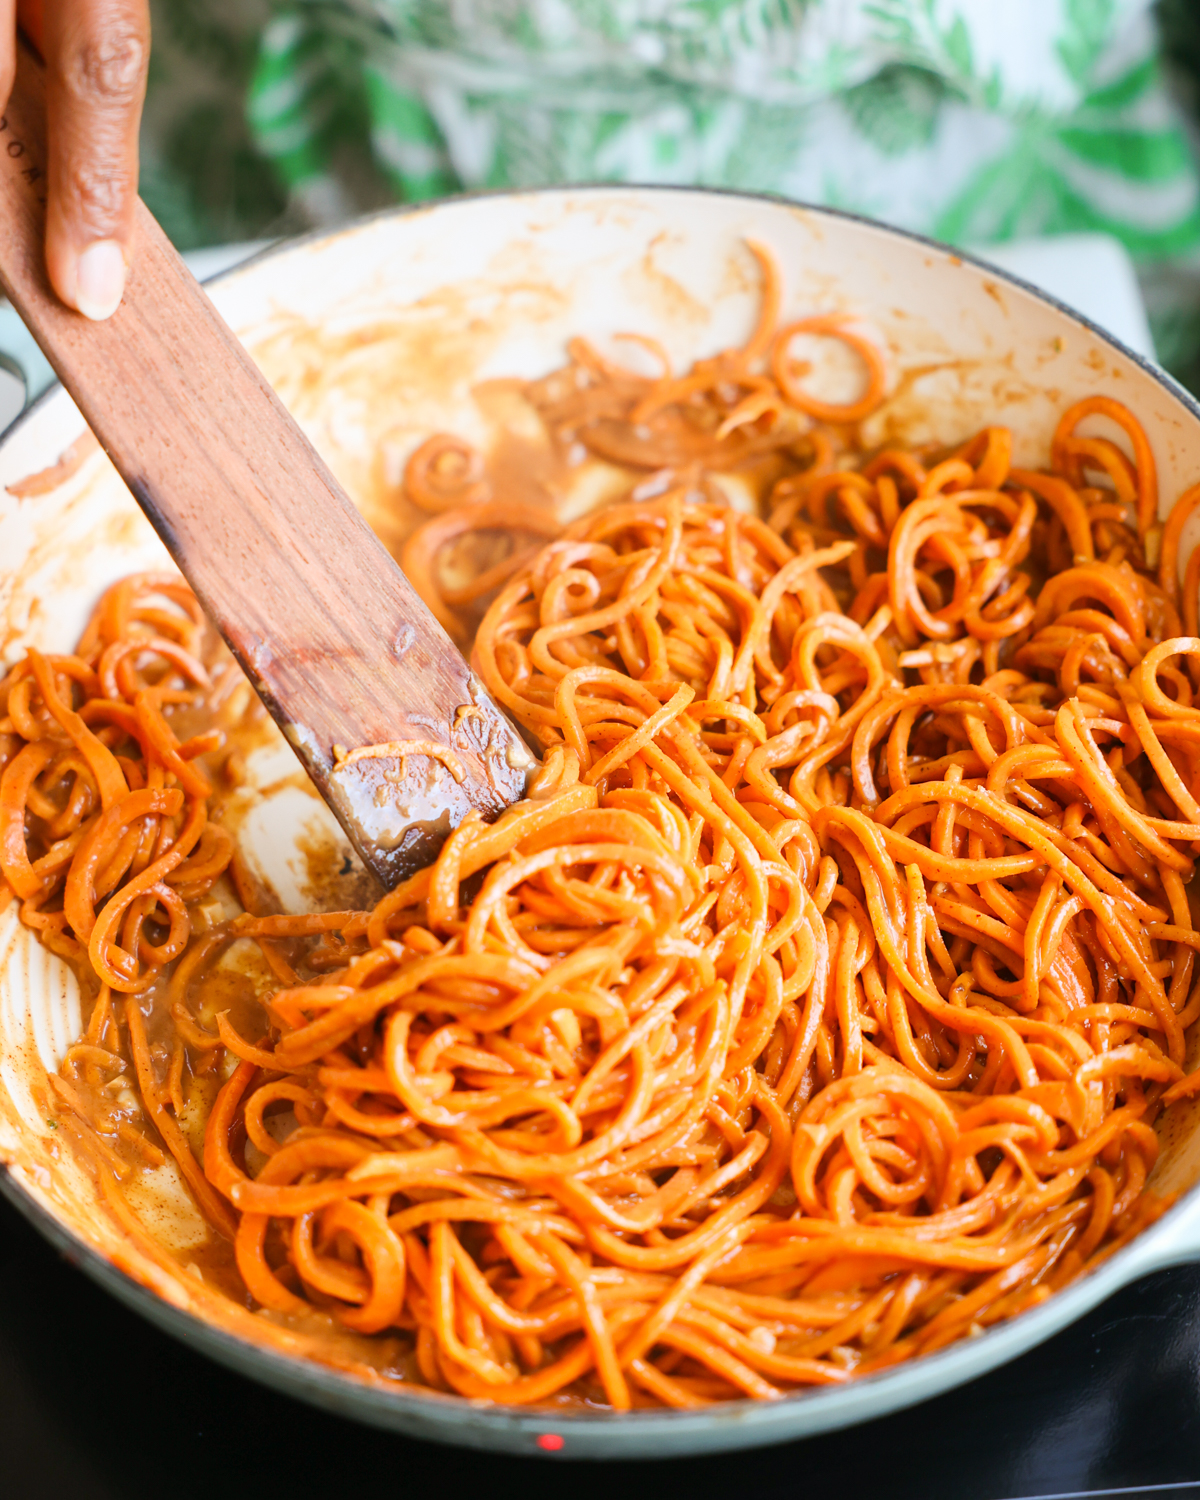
x,y
96,53
8,48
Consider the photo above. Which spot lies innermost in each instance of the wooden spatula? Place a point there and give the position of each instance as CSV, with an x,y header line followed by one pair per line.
x,y
387,718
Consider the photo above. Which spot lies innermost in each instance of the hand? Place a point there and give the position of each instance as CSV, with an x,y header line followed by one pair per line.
x,y
95,53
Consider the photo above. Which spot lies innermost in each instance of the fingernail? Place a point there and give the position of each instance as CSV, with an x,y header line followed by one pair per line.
x,y
100,280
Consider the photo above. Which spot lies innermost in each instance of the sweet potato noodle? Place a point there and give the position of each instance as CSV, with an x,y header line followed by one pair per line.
x,y
815,1009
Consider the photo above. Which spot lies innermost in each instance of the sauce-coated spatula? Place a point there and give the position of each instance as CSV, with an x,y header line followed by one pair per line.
x,y
331,634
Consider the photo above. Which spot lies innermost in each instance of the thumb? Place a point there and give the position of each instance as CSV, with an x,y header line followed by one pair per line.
x,y
96,53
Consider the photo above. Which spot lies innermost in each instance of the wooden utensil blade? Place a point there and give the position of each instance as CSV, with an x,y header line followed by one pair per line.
x,y
334,639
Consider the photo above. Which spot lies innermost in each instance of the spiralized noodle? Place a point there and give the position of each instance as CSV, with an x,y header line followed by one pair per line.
x,y
814,1010
124,841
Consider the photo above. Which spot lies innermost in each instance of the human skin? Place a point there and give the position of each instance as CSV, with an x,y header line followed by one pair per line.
x,y
95,53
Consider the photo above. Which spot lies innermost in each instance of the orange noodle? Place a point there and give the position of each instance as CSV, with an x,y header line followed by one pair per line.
x,y
812,1012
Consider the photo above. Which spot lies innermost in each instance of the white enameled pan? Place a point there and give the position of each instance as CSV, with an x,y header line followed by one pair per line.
x,y
381,333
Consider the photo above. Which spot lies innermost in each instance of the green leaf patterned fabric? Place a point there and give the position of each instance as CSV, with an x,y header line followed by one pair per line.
x,y
968,119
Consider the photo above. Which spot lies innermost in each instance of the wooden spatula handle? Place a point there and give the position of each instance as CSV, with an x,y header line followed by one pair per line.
x,y
327,628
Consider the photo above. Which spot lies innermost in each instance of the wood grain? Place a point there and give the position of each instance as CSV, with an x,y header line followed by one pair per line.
x,y
325,625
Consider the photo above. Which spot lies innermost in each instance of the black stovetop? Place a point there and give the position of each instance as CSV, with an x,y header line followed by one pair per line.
x,y
97,1405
